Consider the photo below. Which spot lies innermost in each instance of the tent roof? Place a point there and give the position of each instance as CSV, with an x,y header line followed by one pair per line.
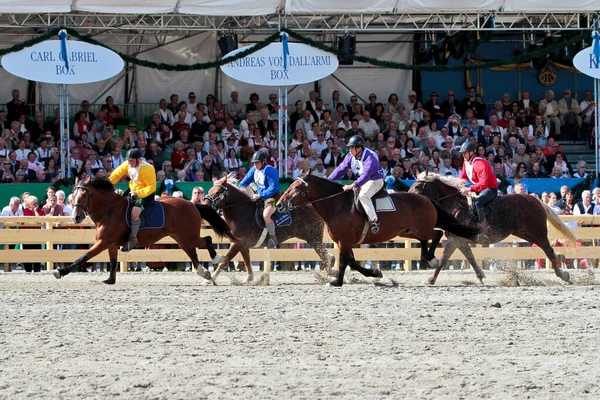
x,y
264,7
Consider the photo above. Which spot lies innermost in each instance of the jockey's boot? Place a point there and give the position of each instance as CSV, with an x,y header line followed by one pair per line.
x,y
375,226
133,241
272,242
480,214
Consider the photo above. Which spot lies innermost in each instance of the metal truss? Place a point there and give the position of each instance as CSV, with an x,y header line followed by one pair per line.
x,y
182,24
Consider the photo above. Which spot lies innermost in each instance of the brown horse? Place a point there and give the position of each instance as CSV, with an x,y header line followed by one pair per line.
x,y
516,214
416,217
183,220
239,212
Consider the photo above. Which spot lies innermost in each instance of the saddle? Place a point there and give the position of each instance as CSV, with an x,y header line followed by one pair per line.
x,y
280,219
152,217
487,210
382,202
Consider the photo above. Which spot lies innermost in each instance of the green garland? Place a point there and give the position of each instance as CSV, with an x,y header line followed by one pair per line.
x,y
180,67
532,54
28,43
527,56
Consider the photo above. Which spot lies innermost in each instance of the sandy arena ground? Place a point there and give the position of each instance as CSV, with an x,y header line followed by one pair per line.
x,y
163,336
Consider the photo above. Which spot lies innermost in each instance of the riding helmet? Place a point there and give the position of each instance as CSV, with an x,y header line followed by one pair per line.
x,y
259,156
133,154
356,141
467,146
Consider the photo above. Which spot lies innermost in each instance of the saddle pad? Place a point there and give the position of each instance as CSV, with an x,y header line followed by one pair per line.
x,y
384,204
280,219
152,217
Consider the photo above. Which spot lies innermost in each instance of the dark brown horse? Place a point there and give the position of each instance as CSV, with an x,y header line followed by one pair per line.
x,y
239,212
415,217
516,214
98,199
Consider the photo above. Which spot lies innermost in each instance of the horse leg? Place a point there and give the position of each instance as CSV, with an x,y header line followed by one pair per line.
x,y
464,247
549,251
448,250
96,249
431,260
327,260
112,254
206,243
233,250
368,272
191,253
344,259
248,263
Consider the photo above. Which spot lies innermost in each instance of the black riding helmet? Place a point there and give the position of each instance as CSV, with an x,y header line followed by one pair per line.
x,y
467,146
356,141
259,156
133,154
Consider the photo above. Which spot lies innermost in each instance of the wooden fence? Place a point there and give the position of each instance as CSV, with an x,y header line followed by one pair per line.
x,y
51,231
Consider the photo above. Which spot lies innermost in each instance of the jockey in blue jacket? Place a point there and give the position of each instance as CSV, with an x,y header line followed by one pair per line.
x,y
365,166
266,178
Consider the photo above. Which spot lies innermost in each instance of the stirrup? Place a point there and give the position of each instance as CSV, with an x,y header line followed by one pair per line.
x,y
130,245
374,226
272,243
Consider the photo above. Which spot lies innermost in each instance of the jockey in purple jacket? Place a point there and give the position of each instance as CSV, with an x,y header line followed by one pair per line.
x,y
365,166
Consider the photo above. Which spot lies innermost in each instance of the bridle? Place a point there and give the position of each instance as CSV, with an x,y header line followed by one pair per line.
x,y
288,206
424,183
89,191
221,196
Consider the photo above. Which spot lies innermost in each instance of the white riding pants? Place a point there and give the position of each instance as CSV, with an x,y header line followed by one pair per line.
x,y
366,192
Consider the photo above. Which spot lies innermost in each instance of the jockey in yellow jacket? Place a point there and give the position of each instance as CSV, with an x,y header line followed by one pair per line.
x,y
142,187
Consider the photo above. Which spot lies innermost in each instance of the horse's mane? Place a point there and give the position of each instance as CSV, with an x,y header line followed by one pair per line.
x,y
102,183
456,183
233,182
338,185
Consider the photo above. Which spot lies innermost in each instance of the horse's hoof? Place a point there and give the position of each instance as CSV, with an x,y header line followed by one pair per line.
x,y
434,263
377,273
110,281
207,282
566,277
56,274
430,281
204,274
334,283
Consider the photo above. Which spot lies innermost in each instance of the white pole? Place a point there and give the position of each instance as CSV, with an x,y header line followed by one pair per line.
x,y
279,129
285,128
61,130
597,122
68,156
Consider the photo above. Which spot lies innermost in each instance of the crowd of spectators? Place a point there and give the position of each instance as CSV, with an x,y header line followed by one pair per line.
x,y
189,141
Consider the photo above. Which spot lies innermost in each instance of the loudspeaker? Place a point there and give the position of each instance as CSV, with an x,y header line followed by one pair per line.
x,y
347,44
227,44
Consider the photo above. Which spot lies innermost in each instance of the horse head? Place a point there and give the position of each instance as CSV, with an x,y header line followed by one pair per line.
x,y
435,186
295,195
82,197
217,194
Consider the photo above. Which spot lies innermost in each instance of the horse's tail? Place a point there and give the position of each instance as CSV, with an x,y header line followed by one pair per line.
x,y
218,224
448,222
560,226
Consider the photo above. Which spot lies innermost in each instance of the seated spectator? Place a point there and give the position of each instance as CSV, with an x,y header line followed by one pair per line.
x,y
211,171
52,208
557,173
446,169
569,111
562,164
32,209
319,169
536,171
180,124
231,162
13,209
513,189
548,109
81,125
581,170
585,206
179,156
60,198
6,173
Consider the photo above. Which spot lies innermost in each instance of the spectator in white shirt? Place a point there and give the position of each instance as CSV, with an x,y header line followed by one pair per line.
x,y
13,209
320,144
368,125
305,124
229,131
22,151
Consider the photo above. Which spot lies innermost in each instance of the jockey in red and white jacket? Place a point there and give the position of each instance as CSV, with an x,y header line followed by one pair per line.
x,y
480,173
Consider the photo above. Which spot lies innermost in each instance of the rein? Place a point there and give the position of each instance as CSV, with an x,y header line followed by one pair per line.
x,y
221,196
85,209
306,194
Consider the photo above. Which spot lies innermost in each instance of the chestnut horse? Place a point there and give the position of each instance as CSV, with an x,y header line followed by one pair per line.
x,y
516,214
415,217
239,212
183,220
